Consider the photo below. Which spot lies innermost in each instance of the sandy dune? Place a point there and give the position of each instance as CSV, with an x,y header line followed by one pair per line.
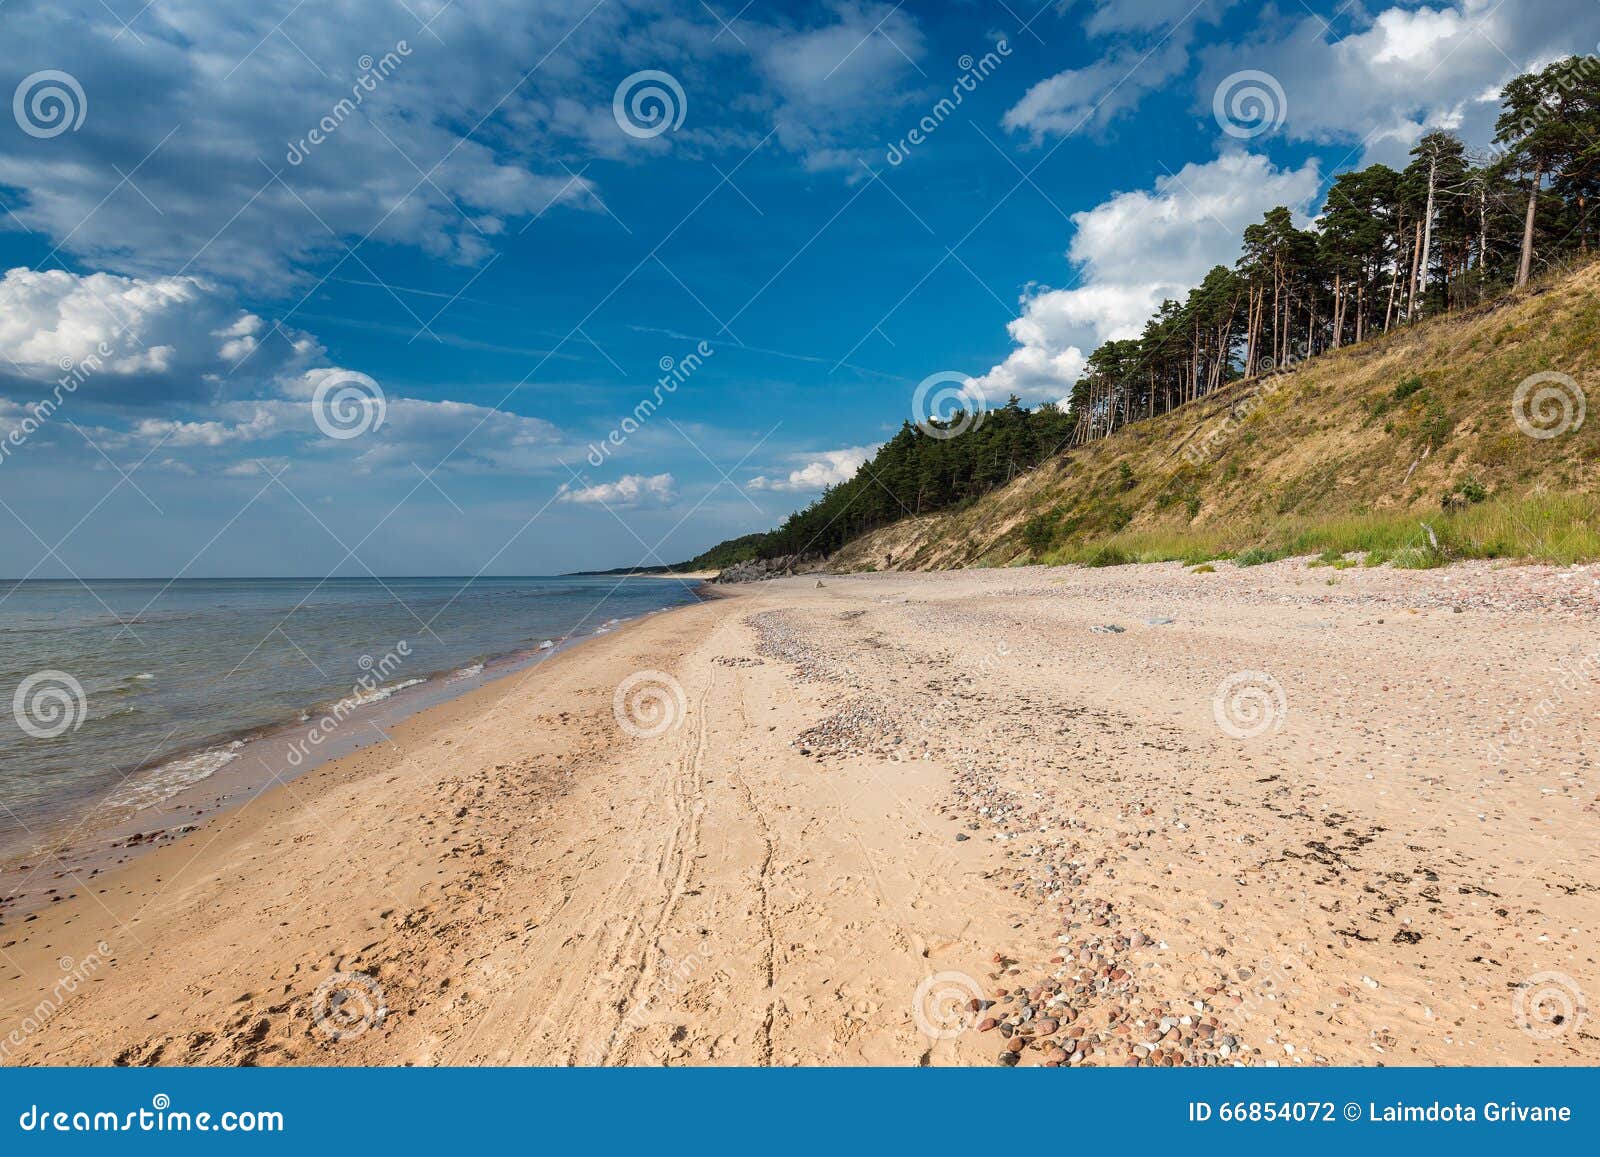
x,y
890,811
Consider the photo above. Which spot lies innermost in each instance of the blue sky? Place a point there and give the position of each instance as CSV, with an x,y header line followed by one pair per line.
x,y
502,247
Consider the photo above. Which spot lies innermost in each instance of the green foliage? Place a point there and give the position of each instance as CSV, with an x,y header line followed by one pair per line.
x,y
1039,531
1109,556
917,472
1292,295
1406,388
726,554
1468,492
1435,426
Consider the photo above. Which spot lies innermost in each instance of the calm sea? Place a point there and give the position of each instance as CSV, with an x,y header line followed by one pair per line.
x,y
120,694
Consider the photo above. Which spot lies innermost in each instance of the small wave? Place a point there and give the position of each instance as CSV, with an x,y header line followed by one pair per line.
x,y
377,694
467,672
546,645
167,780
126,685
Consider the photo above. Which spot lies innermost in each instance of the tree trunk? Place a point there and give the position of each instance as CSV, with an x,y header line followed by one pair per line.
x,y
1483,226
1525,266
1338,309
1411,283
1427,232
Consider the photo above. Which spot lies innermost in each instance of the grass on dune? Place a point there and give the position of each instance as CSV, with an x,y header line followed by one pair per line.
x,y
1557,529
1404,450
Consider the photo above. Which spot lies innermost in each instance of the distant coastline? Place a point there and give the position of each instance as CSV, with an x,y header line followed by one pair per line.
x,y
644,572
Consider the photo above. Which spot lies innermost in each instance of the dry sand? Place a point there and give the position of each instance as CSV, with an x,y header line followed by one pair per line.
x,y
905,819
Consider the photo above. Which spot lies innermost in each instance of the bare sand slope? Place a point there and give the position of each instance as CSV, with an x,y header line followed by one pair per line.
x,y
912,819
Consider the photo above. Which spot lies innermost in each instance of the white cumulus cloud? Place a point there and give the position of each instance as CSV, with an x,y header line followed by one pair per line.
x,y
1134,250
828,468
631,490
1404,70
157,336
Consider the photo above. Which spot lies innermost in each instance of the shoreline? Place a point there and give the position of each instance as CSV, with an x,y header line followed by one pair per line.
x,y
245,762
875,802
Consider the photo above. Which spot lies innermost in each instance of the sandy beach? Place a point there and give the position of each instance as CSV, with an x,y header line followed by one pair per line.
x,y
1134,815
